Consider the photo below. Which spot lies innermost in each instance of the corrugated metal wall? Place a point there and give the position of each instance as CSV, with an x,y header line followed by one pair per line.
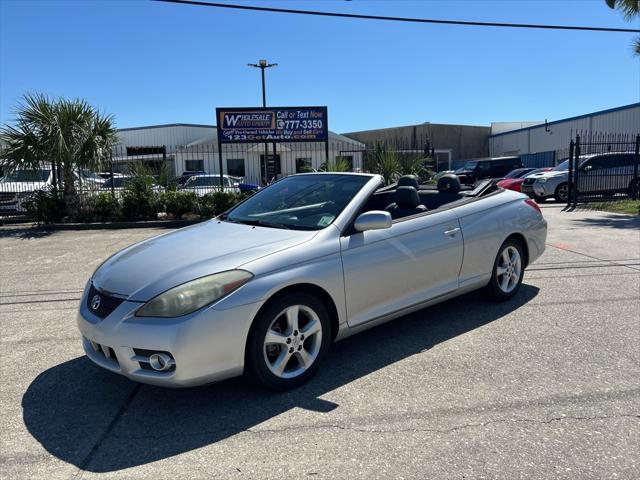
x,y
537,139
169,135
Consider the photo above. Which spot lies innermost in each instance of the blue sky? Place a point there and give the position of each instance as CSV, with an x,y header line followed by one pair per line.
x,y
150,63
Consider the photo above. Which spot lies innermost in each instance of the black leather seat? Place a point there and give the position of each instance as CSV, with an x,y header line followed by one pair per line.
x,y
448,191
406,202
409,181
449,183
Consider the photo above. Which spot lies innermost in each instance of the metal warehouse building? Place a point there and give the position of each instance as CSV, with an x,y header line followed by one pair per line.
x,y
186,147
449,142
194,147
543,139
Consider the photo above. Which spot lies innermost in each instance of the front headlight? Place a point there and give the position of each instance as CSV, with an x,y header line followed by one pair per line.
x,y
193,295
541,180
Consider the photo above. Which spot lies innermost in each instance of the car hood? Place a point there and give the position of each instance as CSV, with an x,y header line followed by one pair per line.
x,y
152,266
550,174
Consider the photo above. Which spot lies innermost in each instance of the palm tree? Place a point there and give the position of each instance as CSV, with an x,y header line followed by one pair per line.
x,y
339,165
387,163
69,134
411,164
630,9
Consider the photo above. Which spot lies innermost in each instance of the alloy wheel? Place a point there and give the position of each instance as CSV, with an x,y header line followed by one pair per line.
x,y
509,269
292,342
562,192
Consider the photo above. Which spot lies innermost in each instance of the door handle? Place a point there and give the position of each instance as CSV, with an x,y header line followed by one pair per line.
x,y
452,232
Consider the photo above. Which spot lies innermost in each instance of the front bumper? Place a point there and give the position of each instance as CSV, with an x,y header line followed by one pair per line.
x,y
11,203
535,190
207,346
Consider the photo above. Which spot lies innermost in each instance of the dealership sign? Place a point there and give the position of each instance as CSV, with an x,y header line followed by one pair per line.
x,y
275,124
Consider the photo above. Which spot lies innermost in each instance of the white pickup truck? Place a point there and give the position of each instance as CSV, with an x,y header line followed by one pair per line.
x,y
18,186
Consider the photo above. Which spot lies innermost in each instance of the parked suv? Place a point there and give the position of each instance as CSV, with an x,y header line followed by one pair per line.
x,y
475,170
601,174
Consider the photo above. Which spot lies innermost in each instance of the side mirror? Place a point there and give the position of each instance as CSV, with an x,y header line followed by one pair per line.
x,y
373,220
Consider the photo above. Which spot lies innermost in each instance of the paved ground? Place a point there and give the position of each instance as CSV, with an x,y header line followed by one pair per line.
x,y
545,386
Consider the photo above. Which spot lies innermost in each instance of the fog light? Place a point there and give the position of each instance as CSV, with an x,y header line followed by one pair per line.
x,y
160,362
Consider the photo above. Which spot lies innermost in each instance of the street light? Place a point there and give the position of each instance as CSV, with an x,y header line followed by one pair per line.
x,y
263,65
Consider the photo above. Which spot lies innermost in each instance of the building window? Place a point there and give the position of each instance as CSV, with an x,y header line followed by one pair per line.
x,y
194,165
235,167
303,165
136,151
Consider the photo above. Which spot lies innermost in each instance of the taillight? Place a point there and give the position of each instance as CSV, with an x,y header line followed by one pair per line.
x,y
532,203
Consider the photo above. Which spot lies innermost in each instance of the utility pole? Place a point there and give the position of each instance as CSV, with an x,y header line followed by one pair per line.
x,y
263,65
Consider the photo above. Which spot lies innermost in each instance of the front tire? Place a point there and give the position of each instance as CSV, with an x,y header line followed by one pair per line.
x,y
287,342
562,193
508,271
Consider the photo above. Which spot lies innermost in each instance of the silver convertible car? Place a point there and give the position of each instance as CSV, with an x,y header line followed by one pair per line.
x,y
267,287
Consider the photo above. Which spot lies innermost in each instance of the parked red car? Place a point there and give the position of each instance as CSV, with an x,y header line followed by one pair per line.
x,y
516,183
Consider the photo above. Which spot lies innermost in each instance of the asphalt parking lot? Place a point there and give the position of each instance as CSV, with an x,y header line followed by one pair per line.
x,y
546,385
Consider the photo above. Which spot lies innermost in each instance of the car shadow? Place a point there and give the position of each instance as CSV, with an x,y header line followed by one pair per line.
x,y
25,233
76,411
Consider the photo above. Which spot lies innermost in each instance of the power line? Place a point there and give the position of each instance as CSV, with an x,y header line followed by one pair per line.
x,y
399,19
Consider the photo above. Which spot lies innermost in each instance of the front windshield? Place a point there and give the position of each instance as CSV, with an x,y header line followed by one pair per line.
x,y
38,175
300,202
515,173
202,181
118,182
469,165
561,167
89,175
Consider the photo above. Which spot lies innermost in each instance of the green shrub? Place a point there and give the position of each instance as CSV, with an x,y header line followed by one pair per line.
x,y
412,165
224,201
340,164
179,203
207,206
45,206
139,205
243,196
102,207
139,201
387,163
215,203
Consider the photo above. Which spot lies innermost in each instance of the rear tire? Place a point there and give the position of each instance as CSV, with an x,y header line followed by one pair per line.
x,y
508,271
287,342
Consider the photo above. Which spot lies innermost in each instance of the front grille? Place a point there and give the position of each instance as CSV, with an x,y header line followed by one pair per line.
x,y
106,305
104,352
7,197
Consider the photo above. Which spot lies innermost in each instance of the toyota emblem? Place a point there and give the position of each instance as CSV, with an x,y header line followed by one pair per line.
x,y
95,302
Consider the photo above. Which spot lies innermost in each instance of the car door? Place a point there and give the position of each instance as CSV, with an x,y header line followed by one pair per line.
x,y
416,259
592,176
623,164
483,170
